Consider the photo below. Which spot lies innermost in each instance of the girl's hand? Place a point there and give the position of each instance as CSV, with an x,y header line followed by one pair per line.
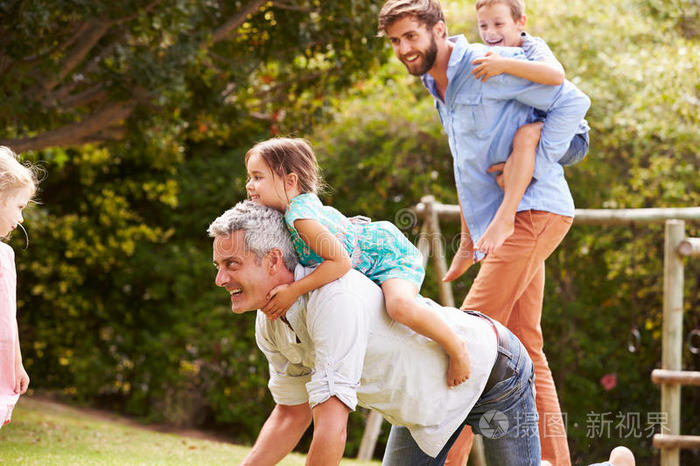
x,y
21,380
280,299
490,65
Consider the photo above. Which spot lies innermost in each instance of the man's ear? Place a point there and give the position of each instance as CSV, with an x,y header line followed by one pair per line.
x,y
273,261
440,30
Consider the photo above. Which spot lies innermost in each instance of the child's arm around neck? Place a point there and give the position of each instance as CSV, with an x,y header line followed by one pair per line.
x,y
336,263
540,67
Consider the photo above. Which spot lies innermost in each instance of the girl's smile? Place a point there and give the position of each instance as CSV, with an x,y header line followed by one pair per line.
x,y
263,186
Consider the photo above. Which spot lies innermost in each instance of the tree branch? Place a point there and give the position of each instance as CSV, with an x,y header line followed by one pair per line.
x,y
76,133
290,7
72,60
85,97
146,9
235,21
79,31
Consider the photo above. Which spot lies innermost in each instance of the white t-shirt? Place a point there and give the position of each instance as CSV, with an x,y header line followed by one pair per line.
x,y
340,342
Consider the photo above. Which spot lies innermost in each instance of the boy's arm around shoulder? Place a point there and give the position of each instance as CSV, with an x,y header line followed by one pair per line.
x,y
493,64
533,61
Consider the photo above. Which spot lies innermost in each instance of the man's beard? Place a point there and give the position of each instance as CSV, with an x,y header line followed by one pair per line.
x,y
428,60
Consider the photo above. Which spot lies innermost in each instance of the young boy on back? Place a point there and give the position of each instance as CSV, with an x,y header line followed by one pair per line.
x,y
501,23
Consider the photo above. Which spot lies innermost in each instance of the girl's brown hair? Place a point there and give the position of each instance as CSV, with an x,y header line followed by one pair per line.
x,y
290,155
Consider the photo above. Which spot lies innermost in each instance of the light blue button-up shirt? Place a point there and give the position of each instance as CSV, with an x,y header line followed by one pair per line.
x,y
481,119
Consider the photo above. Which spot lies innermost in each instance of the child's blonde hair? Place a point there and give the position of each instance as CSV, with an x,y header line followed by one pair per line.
x,y
14,174
290,155
517,7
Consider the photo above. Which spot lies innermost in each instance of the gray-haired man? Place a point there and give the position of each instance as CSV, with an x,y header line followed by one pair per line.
x,y
337,348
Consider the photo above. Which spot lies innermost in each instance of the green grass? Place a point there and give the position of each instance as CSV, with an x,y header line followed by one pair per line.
x,y
47,433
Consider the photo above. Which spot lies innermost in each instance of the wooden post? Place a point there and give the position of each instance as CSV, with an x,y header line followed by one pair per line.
x,y
438,251
369,437
689,247
672,341
424,242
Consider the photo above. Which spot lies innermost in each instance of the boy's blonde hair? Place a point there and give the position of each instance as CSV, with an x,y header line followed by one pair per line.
x,y
426,12
290,155
14,174
517,7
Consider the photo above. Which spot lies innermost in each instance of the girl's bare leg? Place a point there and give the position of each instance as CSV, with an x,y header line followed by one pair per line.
x,y
402,305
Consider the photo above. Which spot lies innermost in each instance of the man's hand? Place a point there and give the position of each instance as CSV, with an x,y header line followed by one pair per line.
x,y
501,168
490,65
280,299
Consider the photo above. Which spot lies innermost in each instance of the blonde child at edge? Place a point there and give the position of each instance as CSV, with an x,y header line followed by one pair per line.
x,y
17,187
501,23
283,174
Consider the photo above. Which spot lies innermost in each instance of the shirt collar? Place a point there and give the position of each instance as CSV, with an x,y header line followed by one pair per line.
x,y
460,48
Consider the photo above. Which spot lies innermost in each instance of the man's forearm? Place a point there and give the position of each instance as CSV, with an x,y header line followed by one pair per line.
x,y
280,434
330,432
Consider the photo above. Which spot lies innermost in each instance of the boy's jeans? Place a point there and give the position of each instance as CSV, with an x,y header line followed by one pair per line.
x,y
505,416
577,150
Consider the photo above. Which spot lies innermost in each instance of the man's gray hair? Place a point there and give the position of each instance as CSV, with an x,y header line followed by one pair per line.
x,y
264,230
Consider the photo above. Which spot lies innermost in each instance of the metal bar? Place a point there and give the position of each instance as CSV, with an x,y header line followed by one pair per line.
x,y
689,247
661,376
672,339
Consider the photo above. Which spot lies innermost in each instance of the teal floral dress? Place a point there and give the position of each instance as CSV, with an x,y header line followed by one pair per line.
x,y
377,249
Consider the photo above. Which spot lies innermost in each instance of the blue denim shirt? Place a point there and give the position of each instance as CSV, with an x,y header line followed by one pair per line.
x,y
481,119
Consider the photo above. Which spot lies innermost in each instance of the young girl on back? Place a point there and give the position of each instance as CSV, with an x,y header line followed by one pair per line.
x,y
283,174
17,187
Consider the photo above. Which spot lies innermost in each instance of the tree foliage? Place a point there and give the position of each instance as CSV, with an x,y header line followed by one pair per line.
x,y
83,71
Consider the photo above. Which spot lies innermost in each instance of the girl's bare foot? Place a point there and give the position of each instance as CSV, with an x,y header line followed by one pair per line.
x,y
459,368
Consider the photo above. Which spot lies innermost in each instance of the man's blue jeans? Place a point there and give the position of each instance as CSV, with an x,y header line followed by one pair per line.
x,y
505,416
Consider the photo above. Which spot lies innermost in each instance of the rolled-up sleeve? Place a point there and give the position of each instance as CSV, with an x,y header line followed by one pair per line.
x,y
337,325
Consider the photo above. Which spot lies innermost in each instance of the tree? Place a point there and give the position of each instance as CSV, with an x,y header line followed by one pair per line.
x,y
141,112
82,71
